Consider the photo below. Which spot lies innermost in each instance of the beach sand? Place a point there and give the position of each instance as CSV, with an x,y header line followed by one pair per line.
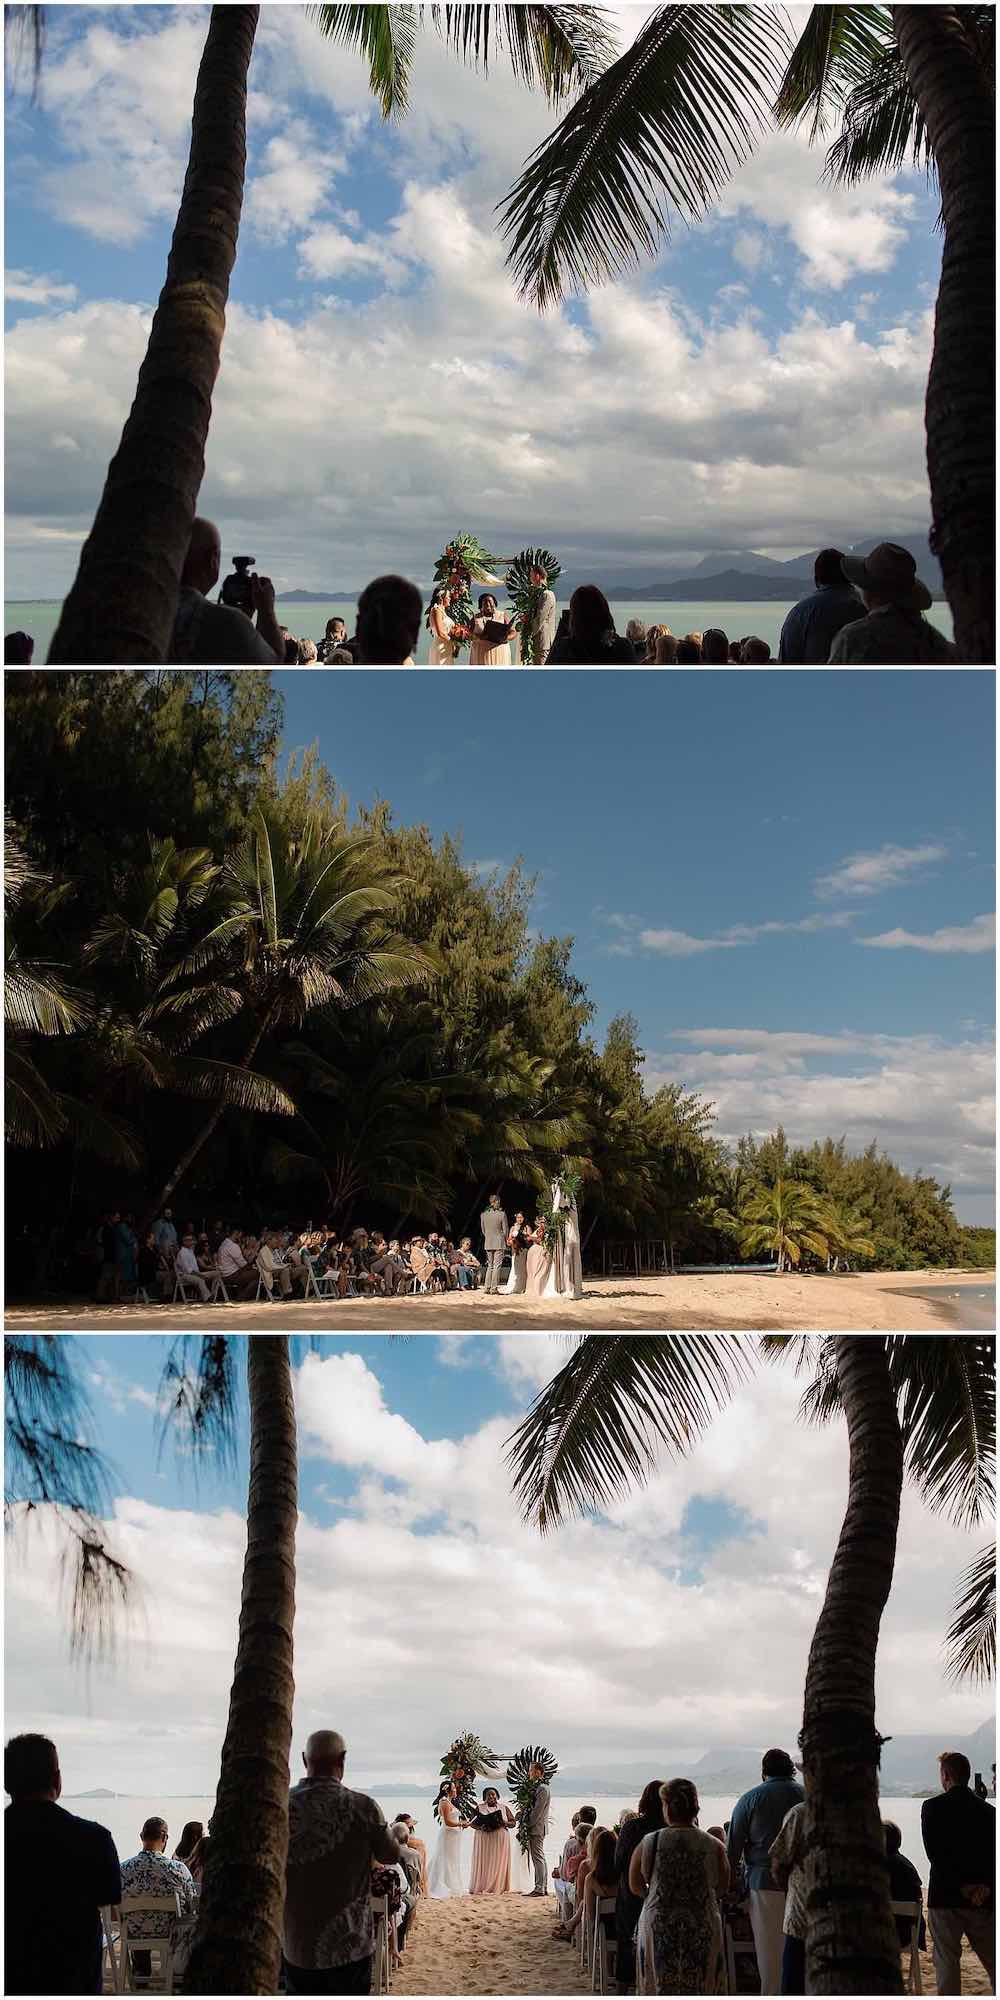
x,y
868,1302
504,1944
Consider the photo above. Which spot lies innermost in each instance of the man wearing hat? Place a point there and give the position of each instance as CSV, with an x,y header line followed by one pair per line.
x,y
895,633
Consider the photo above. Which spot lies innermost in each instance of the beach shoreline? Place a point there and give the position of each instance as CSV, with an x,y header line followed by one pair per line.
x,y
863,1302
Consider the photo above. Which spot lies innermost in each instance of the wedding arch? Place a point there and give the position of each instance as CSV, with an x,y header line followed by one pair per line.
x,y
466,560
524,1786
468,1758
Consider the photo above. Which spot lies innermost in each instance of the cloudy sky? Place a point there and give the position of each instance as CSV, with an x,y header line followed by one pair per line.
x,y
677,1622
761,386
787,877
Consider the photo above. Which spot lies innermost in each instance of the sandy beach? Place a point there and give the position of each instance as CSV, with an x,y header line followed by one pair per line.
x,y
504,1944
869,1302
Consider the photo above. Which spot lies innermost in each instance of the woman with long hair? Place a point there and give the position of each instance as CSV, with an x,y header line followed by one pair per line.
x,y
518,1239
191,1833
628,1908
444,650
592,640
595,1879
446,1875
538,1263
683,1875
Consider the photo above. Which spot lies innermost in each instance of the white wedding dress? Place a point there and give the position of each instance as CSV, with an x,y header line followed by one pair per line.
x,y
448,1874
442,652
565,1279
518,1276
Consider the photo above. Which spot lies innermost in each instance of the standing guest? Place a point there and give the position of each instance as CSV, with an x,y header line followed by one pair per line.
x,y
493,1223
334,1836
389,611
334,638
109,1280
490,1875
714,647
628,1908
895,633
637,634
787,1858
755,1824
813,623
666,650
592,640
755,652
541,626
959,1832
191,1833
537,1826
165,1232
538,1263
187,1264
905,1885
151,1270
212,635
59,1873
152,1872
18,649
683,1874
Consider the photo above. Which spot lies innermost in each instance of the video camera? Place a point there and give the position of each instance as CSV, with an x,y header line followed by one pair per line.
x,y
237,590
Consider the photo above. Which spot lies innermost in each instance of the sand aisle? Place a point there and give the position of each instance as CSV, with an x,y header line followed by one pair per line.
x,y
872,1302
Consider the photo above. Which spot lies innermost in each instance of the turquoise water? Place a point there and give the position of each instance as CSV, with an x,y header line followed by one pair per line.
x,y
973,1308
308,621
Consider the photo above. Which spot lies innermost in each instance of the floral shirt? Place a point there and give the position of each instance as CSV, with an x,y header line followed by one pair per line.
x,y
157,1875
788,1851
334,1835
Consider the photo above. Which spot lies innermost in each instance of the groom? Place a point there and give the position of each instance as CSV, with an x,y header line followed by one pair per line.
x,y
493,1223
538,1826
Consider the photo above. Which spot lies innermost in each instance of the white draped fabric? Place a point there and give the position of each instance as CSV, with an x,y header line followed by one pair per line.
x,y
565,1279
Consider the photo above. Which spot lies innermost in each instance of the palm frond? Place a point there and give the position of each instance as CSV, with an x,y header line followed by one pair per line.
x,y
833,54
198,1398
246,1089
594,1431
946,1386
660,131
386,37
555,49
971,1640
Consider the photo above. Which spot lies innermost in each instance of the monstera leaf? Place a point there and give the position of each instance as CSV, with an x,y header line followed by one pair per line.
x,y
525,596
525,1787
465,561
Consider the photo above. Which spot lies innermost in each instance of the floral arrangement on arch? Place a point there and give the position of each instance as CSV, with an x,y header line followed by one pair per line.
x,y
467,1759
464,562
554,1218
524,1787
525,596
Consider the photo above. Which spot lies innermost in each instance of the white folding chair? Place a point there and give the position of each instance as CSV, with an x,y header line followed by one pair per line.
x,y
911,1913
603,1948
112,1970
321,1288
584,1938
138,1914
380,1968
185,1282
739,1948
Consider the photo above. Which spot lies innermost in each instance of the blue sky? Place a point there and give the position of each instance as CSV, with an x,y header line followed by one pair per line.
x,y
760,385
425,1605
661,813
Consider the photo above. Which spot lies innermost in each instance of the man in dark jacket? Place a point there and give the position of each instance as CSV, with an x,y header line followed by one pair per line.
x,y
959,1833
59,1872
813,623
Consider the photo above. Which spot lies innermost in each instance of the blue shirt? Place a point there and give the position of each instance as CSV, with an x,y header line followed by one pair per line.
x,y
756,1822
813,623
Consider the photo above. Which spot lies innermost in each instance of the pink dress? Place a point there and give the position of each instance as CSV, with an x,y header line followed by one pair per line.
x,y
490,1863
538,1267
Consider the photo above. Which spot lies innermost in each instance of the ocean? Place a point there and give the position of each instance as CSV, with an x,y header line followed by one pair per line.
x,y
124,1816
308,621
970,1307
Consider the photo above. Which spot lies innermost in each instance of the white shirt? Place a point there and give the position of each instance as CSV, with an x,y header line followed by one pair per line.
x,y
230,1257
188,1263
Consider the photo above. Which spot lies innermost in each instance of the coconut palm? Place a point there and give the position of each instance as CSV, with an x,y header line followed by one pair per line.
x,y
783,1220
37,1001
301,928
663,128
122,603
847,1235
921,1405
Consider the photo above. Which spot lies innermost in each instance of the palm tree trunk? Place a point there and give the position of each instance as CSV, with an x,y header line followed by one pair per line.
x,y
956,100
121,607
852,1945
237,1946
200,1138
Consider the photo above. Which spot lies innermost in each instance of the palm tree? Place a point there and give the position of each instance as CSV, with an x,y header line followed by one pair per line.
x,y
663,128
301,929
847,1234
924,1405
37,1001
121,606
784,1220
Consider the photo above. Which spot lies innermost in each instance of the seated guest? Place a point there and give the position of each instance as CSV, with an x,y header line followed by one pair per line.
x,y
905,1885
688,653
424,1266
592,640
389,614
334,1836
895,632
191,1833
637,636
595,1878
407,1820
187,1265
340,656
755,652
389,1266
735,652
197,1861
271,1270
469,1259
653,637
714,647
334,640
959,1832
238,1274
152,1872
59,1873
813,623
666,650
572,1855
628,1908
213,635
305,651
410,1881
461,1274
682,1874
18,650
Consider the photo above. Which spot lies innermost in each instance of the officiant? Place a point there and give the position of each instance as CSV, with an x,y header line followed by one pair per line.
x,y
490,635
491,1846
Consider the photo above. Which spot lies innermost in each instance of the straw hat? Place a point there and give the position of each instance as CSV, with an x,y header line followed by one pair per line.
x,y
890,572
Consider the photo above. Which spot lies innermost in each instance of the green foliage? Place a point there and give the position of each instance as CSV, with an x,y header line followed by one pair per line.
x,y
978,1248
525,596
524,1786
467,1758
465,561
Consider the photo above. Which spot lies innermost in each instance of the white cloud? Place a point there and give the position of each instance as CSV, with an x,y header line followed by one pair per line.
x,y
977,936
680,944
838,232
927,1102
885,868
292,183
429,1603
32,289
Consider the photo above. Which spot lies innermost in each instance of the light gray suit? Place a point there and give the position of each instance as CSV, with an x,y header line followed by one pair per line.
x,y
493,1223
543,625
538,1826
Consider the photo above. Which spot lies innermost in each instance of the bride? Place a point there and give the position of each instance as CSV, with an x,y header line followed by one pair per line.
x,y
518,1239
565,1278
444,651
447,1873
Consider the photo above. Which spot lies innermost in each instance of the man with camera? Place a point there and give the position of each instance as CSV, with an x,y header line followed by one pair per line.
x,y
223,634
